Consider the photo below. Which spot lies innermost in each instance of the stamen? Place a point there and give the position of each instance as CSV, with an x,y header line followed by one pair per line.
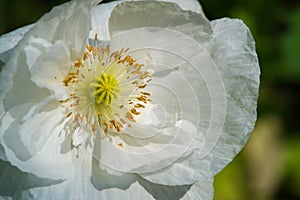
x,y
100,87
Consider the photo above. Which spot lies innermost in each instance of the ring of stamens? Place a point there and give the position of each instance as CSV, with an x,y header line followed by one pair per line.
x,y
106,90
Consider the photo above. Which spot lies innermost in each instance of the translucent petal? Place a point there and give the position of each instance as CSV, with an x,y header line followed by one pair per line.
x,y
89,183
36,130
135,41
42,152
101,185
233,51
18,89
130,15
187,68
100,20
145,154
167,92
59,24
54,26
185,171
201,190
18,86
208,80
192,5
103,11
10,40
81,190
49,64
161,192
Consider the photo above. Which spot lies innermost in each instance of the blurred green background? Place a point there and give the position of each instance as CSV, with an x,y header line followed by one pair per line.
x,y
269,166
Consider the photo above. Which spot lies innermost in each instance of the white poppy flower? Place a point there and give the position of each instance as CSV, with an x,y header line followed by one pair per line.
x,y
124,100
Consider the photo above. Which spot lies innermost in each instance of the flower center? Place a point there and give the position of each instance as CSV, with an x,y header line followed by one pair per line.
x,y
105,89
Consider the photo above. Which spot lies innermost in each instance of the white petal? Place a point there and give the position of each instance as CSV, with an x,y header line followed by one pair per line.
x,y
82,190
49,64
176,88
9,121
234,53
138,161
185,171
10,40
70,22
54,26
103,11
233,50
81,136
16,86
53,160
37,108
106,186
171,87
100,20
161,192
130,15
23,91
201,190
89,183
192,5
36,130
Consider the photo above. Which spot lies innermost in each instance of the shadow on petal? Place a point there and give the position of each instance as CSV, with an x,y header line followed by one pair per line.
x,y
14,142
164,192
66,145
14,181
165,72
102,179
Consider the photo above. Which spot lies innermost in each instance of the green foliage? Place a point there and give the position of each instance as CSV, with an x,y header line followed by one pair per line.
x,y
291,47
233,189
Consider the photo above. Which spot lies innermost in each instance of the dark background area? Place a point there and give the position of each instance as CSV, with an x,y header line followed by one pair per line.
x,y
269,166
